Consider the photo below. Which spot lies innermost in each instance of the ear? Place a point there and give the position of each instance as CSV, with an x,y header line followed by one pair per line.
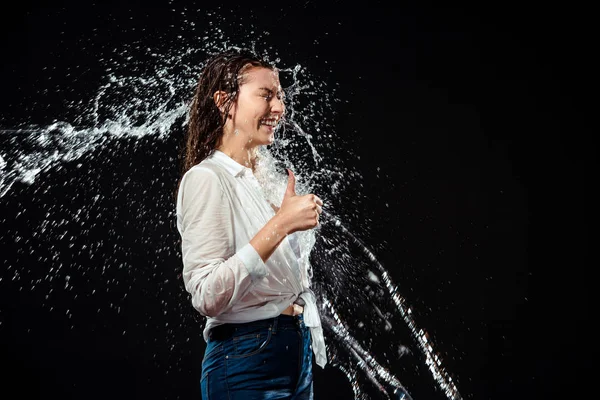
x,y
219,97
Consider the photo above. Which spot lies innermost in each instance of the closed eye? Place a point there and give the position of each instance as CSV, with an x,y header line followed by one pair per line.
x,y
268,95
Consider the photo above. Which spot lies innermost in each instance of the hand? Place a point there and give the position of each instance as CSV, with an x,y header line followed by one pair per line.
x,y
299,213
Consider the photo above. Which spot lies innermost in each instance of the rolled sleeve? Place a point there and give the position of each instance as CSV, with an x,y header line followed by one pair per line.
x,y
253,262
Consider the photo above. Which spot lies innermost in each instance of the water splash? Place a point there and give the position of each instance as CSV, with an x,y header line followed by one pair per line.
x,y
432,359
149,100
274,184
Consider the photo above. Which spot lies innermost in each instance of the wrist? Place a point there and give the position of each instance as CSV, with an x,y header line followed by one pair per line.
x,y
279,226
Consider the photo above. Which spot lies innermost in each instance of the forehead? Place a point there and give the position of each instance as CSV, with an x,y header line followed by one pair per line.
x,y
262,77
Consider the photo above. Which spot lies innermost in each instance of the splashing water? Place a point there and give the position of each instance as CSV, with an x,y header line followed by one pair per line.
x,y
151,101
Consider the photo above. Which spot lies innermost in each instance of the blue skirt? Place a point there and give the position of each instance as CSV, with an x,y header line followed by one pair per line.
x,y
266,359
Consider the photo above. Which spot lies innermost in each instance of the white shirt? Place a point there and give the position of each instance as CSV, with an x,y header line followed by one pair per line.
x,y
220,208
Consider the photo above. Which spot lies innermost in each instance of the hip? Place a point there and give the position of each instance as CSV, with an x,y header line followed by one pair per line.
x,y
273,354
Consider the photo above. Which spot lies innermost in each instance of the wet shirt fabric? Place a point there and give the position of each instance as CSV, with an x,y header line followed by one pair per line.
x,y
220,208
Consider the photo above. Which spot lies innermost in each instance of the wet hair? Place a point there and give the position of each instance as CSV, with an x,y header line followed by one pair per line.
x,y
223,71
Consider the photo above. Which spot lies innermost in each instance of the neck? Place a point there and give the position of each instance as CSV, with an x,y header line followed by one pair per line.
x,y
238,148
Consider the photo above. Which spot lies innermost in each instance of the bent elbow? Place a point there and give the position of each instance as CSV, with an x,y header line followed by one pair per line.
x,y
205,307
212,294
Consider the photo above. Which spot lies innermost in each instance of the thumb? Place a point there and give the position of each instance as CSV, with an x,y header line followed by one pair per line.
x,y
291,187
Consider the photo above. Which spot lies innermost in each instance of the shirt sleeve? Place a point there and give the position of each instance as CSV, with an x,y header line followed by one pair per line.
x,y
215,275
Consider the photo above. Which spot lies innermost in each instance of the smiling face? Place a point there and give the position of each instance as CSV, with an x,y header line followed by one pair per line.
x,y
259,106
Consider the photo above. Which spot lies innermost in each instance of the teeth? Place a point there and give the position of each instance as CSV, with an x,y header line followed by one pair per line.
x,y
270,122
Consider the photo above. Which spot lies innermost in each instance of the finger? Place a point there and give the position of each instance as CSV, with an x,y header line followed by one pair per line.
x,y
319,210
291,187
318,200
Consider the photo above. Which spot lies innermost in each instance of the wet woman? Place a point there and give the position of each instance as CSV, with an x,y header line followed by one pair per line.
x,y
242,261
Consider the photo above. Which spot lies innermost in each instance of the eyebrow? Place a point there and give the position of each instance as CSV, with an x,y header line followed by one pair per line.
x,y
270,90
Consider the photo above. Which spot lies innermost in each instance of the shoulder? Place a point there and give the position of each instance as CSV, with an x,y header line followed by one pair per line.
x,y
207,175
202,184
206,170
202,170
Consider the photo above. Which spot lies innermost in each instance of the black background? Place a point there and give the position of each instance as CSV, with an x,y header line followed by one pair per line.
x,y
473,122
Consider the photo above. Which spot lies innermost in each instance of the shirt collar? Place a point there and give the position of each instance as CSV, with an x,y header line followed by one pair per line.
x,y
232,166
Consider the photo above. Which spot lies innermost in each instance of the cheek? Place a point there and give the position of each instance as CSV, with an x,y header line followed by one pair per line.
x,y
258,114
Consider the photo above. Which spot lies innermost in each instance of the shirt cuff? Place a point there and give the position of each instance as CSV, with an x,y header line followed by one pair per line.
x,y
254,264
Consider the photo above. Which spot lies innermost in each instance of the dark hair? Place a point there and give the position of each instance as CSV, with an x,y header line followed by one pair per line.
x,y
223,71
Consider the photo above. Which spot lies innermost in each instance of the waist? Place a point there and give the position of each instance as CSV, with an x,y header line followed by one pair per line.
x,y
282,321
293,310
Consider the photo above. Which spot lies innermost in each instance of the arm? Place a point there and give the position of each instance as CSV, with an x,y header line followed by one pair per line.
x,y
268,238
213,274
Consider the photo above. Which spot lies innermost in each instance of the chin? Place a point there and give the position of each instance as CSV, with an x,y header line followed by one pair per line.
x,y
268,141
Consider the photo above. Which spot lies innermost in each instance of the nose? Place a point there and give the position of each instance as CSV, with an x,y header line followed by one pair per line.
x,y
278,107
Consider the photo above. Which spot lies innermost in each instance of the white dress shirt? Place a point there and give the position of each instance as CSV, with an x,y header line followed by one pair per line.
x,y
221,206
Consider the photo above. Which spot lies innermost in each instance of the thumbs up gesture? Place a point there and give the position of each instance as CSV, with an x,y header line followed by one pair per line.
x,y
299,213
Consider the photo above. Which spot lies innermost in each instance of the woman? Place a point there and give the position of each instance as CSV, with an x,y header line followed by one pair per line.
x,y
240,255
